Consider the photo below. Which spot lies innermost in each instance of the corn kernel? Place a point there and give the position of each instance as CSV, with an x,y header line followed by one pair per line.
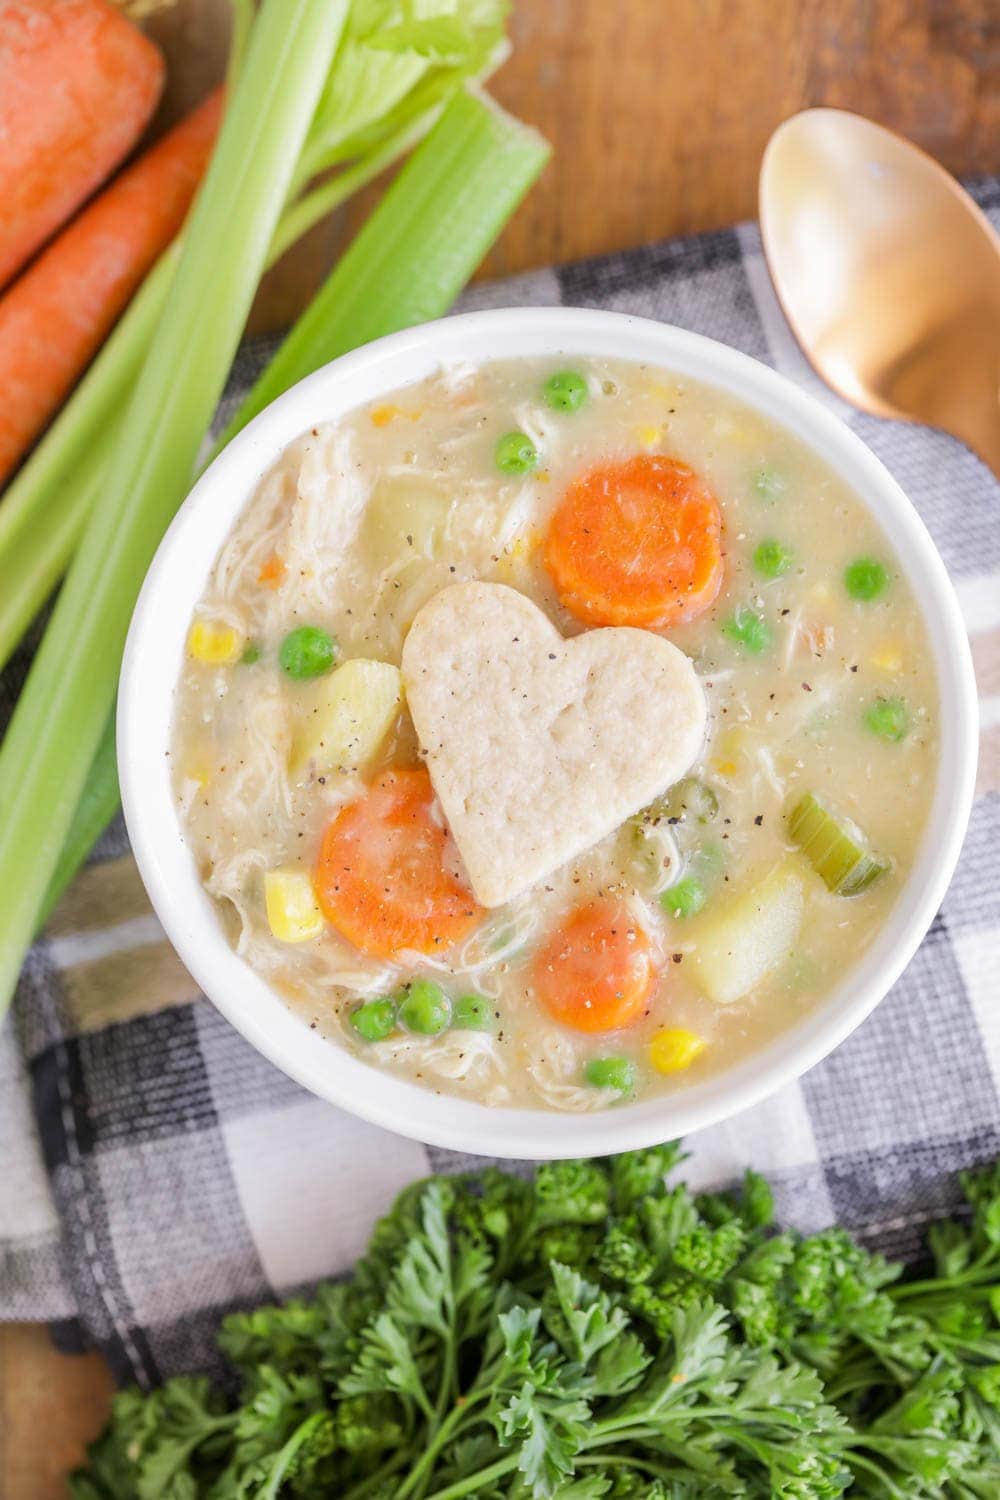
x,y
383,415
211,642
887,659
292,912
673,1049
731,748
648,437
199,772
272,571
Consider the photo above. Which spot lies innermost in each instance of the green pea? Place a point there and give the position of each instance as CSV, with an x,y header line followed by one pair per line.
x,y
307,652
889,718
424,1007
515,453
769,485
611,1073
684,899
565,391
250,655
375,1019
472,1013
865,578
748,630
773,558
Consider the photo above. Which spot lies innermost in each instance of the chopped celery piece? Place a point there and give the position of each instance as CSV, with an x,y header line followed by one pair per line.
x,y
690,801
738,945
650,854
834,846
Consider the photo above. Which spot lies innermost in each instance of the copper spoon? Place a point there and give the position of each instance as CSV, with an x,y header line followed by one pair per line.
x,y
887,272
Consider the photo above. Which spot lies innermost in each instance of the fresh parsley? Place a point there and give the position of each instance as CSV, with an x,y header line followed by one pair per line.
x,y
595,1332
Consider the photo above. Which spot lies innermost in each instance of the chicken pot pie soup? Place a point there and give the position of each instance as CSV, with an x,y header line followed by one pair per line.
x,y
553,736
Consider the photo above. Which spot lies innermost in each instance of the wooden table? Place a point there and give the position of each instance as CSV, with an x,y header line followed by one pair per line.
x,y
658,111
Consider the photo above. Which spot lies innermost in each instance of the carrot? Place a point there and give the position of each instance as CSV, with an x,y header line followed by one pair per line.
x,y
78,83
636,543
272,571
384,879
597,971
57,314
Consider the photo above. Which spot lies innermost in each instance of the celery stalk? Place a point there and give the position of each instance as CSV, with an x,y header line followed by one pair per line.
x,y
427,235
92,815
57,725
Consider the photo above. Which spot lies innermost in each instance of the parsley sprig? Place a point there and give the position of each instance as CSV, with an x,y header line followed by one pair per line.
x,y
595,1332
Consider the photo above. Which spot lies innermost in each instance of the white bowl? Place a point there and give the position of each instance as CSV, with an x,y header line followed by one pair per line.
x,y
155,650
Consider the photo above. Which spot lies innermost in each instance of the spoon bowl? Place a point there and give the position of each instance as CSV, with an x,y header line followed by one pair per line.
x,y
888,273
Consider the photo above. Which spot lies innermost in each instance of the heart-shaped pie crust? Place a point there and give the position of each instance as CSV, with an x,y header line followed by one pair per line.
x,y
538,746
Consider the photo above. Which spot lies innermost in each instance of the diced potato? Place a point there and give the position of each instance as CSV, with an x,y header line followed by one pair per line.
x,y
674,1048
212,642
736,947
344,718
405,518
293,914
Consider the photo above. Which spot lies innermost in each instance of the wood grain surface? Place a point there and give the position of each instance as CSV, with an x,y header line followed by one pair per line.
x,y
658,111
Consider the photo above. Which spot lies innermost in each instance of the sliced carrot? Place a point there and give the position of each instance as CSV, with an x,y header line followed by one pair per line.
x,y
383,878
636,543
57,314
272,571
78,83
598,970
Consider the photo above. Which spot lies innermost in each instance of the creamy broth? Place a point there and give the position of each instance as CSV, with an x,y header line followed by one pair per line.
x,y
815,666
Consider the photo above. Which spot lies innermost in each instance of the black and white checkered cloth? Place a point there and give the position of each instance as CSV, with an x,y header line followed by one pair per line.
x,y
157,1171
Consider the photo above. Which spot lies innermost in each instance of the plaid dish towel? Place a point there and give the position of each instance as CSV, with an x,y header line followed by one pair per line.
x,y
157,1171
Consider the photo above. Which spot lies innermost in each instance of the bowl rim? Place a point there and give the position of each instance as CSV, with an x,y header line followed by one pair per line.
x,y
154,650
